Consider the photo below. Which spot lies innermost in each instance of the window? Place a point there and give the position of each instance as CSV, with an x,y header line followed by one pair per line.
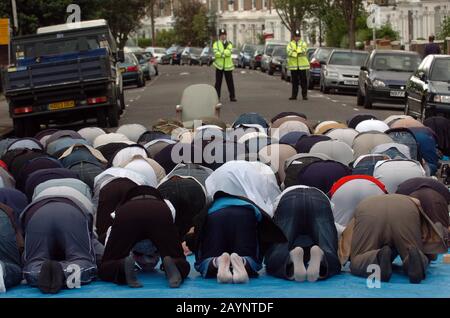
x,y
441,70
395,62
348,58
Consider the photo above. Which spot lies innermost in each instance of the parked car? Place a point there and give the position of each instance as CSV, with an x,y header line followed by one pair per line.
x,y
278,56
255,61
310,52
341,71
383,77
153,64
268,51
235,56
191,56
207,56
246,55
319,56
173,55
144,63
132,73
157,52
428,89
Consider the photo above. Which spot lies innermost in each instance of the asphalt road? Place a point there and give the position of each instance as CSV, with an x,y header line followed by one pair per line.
x,y
255,91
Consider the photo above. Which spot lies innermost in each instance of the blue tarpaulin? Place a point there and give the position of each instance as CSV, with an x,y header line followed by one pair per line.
x,y
436,284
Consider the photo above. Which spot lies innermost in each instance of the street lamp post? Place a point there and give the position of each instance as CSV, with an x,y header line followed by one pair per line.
x,y
14,12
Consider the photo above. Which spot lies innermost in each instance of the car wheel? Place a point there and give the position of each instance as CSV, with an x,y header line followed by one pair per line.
x,y
171,61
359,98
157,72
282,76
368,104
426,112
270,71
141,82
326,89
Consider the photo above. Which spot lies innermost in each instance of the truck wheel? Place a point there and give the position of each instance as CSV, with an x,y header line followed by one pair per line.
x,y
102,118
113,116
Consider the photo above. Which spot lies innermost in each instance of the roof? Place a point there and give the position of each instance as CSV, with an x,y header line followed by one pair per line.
x,y
395,51
72,26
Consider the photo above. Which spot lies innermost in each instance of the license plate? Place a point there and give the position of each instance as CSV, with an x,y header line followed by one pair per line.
x,y
397,93
62,105
352,83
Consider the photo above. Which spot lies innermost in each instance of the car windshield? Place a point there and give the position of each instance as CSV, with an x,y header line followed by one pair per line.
x,y
249,49
159,51
323,54
129,59
271,48
395,62
141,58
171,50
196,51
235,51
348,58
441,70
280,52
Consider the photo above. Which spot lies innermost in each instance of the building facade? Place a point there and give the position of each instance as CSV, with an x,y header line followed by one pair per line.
x,y
414,19
246,21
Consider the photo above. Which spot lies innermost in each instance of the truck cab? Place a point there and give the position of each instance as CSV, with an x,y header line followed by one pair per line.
x,y
64,74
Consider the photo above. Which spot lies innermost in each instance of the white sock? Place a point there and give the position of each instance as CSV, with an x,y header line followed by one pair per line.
x,y
299,266
240,275
313,271
222,263
2,279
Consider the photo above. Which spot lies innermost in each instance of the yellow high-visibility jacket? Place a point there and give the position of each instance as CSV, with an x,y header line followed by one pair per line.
x,y
297,59
222,54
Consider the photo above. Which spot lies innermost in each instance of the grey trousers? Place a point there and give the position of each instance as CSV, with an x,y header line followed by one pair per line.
x,y
59,231
9,253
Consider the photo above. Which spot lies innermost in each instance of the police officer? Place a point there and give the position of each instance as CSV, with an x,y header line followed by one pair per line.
x,y
224,64
298,64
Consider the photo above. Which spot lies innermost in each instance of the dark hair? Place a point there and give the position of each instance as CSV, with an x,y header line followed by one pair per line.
x,y
431,38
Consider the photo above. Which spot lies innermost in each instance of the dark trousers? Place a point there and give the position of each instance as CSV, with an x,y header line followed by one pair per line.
x,y
306,219
298,77
9,253
228,79
135,221
231,230
59,232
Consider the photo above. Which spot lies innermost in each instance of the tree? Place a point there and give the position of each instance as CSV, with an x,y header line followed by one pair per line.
x,y
445,29
292,12
151,7
191,22
124,17
165,38
350,10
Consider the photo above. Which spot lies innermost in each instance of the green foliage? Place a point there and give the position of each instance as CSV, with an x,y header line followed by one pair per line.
x,y
445,29
191,23
144,42
165,38
292,12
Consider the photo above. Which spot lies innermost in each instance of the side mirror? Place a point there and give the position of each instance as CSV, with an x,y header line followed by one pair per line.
x,y
121,56
364,68
323,63
423,76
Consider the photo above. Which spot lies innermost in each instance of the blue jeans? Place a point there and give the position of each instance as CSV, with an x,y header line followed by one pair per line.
x,y
9,253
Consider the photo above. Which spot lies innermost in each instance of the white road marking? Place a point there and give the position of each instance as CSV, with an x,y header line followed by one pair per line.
x,y
184,74
334,101
356,109
345,105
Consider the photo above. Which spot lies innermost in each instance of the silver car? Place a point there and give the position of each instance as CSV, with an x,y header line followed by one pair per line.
x,y
341,71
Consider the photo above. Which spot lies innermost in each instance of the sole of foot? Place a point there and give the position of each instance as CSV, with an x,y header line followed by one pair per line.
x,y
313,270
130,273
299,266
224,275
172,273
416,272
240,275
384,258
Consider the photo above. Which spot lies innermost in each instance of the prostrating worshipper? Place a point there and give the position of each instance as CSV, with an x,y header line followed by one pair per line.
x,y
386,226
143,214
311,252
231,235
